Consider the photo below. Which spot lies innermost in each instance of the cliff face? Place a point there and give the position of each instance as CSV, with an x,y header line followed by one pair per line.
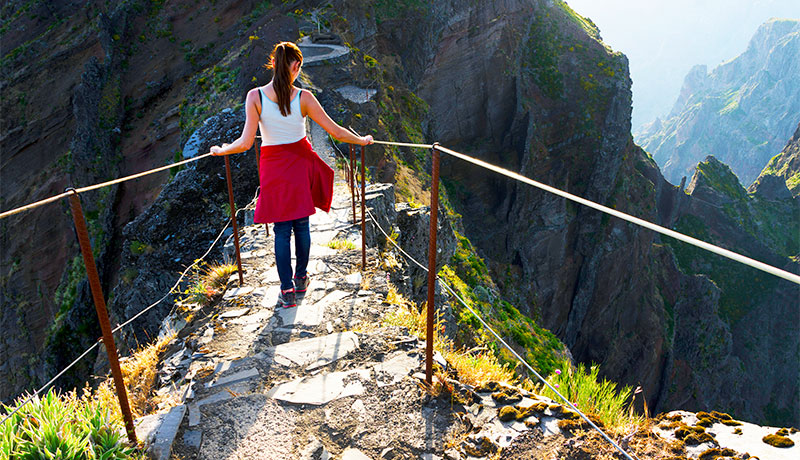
x,y
94,91
756,314
529,86
742,112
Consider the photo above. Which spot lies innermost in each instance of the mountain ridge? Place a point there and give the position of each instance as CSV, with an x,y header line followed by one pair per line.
x,y
741,112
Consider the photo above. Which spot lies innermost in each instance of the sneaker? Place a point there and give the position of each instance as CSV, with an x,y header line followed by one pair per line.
x,y
286,299
301,284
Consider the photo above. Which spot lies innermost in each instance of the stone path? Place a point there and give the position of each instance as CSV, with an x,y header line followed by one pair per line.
x,y
245,371
315,54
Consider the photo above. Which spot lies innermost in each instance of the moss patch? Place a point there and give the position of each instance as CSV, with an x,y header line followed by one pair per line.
x,y
508,413
579,423
715,453
510,395
776,440
692,435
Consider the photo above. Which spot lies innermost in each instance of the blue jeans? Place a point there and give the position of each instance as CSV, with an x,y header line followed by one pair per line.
x,y
283,253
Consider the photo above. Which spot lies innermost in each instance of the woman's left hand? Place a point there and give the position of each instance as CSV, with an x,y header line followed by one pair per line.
x,y
216,150
366,140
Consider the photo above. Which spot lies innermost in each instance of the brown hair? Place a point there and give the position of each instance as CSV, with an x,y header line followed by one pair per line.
x,y
280,61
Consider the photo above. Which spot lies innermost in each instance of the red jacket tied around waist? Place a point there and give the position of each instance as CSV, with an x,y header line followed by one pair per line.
x,y
294,180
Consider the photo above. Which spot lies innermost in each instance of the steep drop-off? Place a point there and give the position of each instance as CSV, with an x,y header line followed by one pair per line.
x,y
530,86
742,112
526,84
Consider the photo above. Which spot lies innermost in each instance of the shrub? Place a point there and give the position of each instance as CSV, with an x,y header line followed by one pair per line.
x,y
206,281
340,244
64,426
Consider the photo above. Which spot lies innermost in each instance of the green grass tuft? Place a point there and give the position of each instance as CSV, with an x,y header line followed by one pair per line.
x,y
591,394
64,426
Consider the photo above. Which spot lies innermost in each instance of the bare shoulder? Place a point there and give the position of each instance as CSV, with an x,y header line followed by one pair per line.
x,y
253,93
307,96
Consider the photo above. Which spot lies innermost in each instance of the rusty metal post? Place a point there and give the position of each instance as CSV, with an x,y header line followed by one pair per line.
x,y
102,312
432,264
363,221
352,182
233,219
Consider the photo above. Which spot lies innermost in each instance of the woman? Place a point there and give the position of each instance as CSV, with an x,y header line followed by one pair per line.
x,y
294,180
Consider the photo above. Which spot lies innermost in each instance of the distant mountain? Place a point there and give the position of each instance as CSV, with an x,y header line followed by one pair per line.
x,y
742,112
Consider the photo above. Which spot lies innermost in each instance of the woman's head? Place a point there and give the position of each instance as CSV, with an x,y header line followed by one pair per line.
x,y
285,61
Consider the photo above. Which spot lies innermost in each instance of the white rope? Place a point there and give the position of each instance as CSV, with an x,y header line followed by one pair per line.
x,y
657,228
404,144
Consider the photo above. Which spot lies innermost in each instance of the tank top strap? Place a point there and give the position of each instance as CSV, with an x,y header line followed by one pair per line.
x,y
261,97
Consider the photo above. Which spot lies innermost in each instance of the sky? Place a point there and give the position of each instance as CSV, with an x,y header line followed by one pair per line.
x,y
663,39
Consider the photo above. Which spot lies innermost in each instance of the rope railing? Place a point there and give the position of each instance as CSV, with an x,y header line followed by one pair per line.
x,y
120,326
635,220
375,223
36,204
94,281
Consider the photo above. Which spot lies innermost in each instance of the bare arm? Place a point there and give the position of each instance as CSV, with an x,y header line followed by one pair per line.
x,y
245,141
312,108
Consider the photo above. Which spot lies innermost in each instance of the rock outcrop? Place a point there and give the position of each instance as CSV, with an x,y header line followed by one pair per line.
x,y
782,172
742,112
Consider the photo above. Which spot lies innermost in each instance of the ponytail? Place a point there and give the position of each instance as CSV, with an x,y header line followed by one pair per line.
x,y
283,55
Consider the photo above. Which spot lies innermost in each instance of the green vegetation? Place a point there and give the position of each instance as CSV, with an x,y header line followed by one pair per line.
x,y
539,346
588,392
731,101
779,166
585,23
259,11
720,177
393,9
541,61
471,368
206,281
340,244
110,102
741,285
766,221
213,85
64,426
68,289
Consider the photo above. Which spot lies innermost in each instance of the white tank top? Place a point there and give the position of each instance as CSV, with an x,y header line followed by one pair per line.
x,y
277,129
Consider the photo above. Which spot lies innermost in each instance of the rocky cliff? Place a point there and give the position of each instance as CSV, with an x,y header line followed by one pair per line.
x,y
93,91
526,84
741,112
530,86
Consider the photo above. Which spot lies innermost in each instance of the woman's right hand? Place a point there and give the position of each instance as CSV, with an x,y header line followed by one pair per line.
x,y
366,140
216,151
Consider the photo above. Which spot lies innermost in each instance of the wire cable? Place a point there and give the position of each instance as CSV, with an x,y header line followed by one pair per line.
x,y
96,186
503,342
36,393
116,329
